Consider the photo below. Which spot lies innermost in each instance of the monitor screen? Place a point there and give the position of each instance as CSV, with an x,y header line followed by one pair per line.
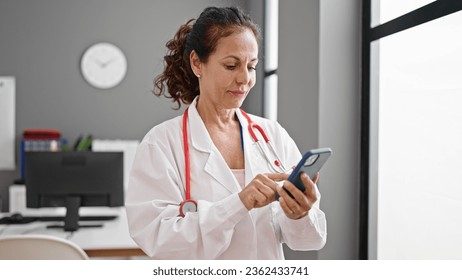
x,y
72,180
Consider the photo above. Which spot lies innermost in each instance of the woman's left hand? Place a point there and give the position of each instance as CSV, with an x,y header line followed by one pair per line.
x,y
299,206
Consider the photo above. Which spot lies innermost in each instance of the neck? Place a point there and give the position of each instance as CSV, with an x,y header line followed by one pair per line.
x,y
216,115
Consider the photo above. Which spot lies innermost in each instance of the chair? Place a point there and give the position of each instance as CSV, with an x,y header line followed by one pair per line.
x,y
39,247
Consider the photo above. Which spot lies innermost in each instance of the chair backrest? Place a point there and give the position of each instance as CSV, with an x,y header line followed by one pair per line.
x,y
39,247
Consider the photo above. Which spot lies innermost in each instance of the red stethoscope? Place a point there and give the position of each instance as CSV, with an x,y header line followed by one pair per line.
x,y
190,205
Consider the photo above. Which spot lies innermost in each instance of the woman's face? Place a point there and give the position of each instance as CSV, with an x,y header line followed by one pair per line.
x,y
229,73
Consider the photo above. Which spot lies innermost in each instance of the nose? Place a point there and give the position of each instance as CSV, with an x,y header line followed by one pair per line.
x,y
244,76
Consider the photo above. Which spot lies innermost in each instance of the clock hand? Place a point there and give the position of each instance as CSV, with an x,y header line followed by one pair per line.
x,y
99,62
105,64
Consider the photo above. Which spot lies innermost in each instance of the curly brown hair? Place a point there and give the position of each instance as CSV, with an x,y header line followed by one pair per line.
x,y
178,81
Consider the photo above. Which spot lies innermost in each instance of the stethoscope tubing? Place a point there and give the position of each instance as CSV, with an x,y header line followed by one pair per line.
x,y
186,158
275,164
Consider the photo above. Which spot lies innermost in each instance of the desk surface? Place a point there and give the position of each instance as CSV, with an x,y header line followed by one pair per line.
x,y
113,239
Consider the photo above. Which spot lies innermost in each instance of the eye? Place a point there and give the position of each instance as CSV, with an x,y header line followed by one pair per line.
x,y
252,68
230,67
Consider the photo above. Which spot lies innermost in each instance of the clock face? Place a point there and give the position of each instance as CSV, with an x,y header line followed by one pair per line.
x,y
103,65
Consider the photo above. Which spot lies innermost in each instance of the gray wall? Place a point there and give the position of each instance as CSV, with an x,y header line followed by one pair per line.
x,y
41,45
298,79
319,97
340,57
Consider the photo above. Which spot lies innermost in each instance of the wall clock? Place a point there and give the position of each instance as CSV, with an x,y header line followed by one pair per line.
x,y
103,65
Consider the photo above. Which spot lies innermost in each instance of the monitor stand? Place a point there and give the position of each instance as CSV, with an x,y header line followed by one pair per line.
x,y
71,220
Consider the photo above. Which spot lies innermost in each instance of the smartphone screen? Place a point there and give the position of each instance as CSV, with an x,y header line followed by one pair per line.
x,y
311,164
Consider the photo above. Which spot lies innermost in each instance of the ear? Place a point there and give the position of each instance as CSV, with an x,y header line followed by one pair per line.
x,y
195,63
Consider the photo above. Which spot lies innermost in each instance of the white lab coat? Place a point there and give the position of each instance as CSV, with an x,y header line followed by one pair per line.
x,y
222,228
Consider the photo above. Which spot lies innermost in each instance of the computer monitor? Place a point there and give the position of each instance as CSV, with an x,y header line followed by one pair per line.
x,y
72,180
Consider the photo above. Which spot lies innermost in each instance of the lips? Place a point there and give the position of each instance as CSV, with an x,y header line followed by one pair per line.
x,y
238,92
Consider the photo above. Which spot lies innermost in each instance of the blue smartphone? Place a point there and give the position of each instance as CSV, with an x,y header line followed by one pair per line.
x,y
311,163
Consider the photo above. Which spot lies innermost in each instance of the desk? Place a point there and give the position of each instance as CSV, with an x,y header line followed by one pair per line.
x,y
111,240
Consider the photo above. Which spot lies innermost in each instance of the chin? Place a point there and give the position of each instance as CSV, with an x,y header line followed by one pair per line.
x,y
238,100
238,103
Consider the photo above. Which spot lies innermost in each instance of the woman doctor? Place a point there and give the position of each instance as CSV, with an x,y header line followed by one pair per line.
x,y
200,188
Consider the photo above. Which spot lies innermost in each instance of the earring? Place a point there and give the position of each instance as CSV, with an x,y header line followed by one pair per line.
x,y
198,75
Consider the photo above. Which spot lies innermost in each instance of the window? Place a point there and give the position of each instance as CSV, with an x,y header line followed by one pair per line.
x,y
412,139
270,99
391,9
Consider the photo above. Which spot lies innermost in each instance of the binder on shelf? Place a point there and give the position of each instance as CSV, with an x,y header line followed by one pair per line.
x,y
38,140
41,134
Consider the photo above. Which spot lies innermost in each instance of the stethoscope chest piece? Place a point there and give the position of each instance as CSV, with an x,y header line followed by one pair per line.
x,y
188,206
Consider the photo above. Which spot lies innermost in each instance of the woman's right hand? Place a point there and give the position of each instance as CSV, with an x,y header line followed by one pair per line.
x,y
261,190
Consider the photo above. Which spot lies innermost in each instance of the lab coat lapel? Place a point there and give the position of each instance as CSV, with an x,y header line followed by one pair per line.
x,y
215,164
